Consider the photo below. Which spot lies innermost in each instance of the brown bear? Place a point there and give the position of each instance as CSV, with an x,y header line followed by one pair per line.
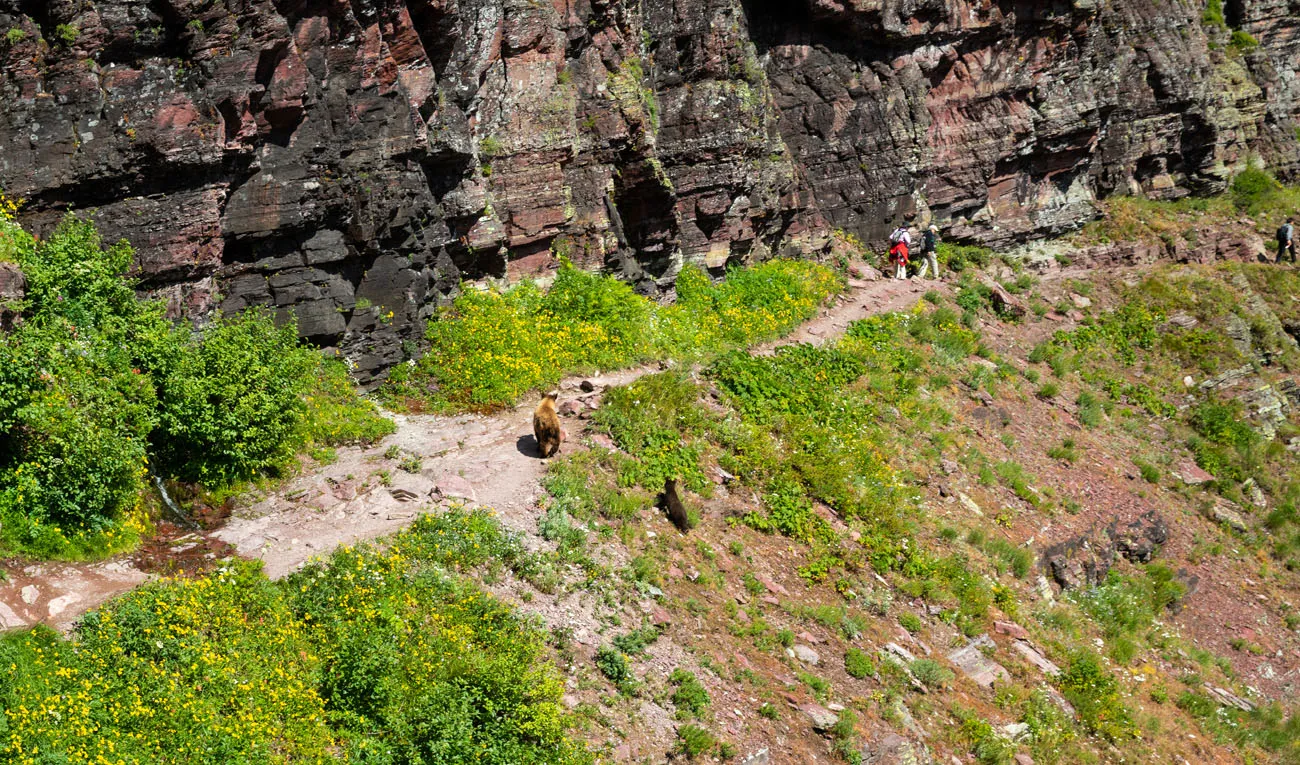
x,y
546,426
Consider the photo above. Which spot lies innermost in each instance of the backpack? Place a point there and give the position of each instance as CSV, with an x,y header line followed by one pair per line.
x,y
897,236
1284,233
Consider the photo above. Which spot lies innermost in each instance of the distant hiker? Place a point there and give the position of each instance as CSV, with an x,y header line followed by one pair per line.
x,y
1286,240
930,243
899,243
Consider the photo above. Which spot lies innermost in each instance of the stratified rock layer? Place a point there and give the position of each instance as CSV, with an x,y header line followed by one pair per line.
x,y
350,162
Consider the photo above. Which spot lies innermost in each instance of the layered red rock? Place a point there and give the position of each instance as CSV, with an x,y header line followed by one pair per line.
x,y
349,164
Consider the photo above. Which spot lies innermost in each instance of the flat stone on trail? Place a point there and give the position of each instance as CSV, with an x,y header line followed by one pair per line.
x,y
9,619
407,486
822,718
60,604
456,487
974,664
806,654
30,594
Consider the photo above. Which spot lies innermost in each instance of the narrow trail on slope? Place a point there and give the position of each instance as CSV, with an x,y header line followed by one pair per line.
x,y
487,460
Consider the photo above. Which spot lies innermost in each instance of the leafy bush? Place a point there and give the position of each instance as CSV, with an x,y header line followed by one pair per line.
x,y
231,401
657,420
1253,188
612,663
1212,16
75,406
1150,473
910,621
635,642
694,740
96,385
959,257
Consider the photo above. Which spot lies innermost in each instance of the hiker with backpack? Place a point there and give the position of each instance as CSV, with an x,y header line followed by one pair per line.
x,y
1286,240
930,245
899,243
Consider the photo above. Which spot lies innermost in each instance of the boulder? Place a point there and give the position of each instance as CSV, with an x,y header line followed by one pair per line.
x,y
822,718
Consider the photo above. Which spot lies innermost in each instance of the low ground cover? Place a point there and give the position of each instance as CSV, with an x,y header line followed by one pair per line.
x,y
491,347
381,653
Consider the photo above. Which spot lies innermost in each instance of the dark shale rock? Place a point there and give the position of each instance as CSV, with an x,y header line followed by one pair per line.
x,y
350,164
1084,561
1139,541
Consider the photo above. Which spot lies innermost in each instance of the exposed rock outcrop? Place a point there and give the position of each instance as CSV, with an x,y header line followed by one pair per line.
x,y
351,163
1083,561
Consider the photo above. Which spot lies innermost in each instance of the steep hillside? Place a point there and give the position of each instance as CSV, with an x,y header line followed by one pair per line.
x,y
352,162
1043,511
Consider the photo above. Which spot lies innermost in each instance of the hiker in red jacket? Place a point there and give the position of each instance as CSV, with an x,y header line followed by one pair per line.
x,y
900,243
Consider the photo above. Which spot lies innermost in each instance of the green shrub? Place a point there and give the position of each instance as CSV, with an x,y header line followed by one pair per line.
x,y
613,664
231,401
931,673
692,740
1096,697
959,257
1213,14
66,33
858,664
691,698
1253,189
910,621
1150,473
634,643
97,388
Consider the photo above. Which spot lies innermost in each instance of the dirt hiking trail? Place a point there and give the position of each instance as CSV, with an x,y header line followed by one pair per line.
x,y
488,460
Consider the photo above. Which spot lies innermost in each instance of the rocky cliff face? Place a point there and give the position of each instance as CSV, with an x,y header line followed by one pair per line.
x,y
352,161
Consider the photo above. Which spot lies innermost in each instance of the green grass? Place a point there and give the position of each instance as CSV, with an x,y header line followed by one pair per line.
x,y
490,348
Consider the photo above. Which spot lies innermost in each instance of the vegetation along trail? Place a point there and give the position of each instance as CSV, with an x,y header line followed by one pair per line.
x,y
371,491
